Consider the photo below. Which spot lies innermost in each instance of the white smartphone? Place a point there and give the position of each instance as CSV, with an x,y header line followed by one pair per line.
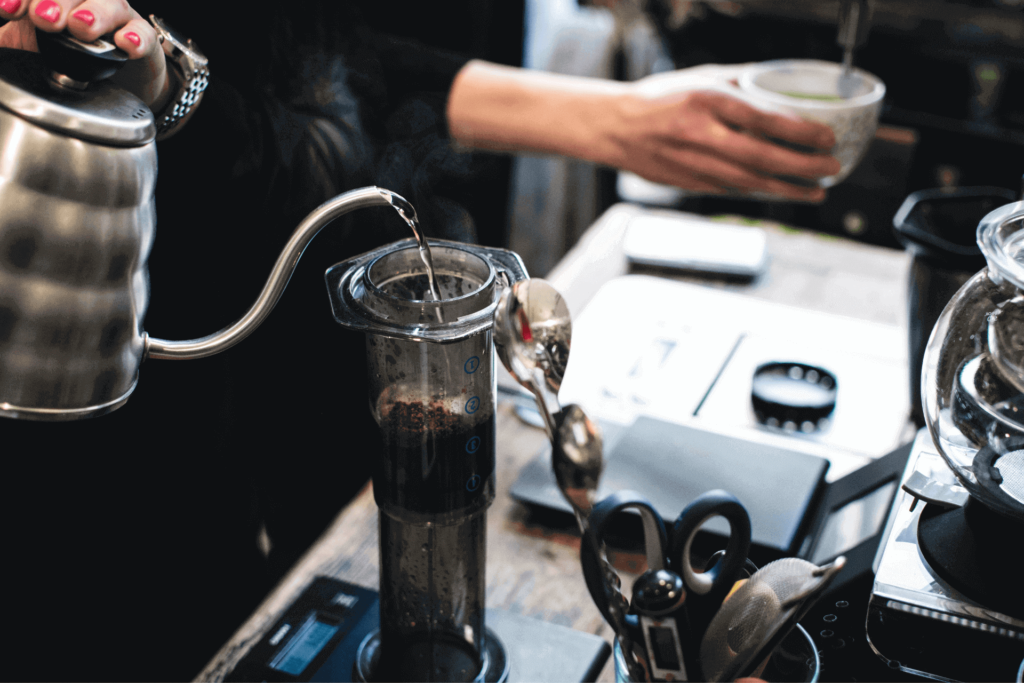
x,y
693,243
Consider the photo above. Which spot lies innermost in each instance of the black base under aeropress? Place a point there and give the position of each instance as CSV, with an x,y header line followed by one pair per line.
x,y
494,665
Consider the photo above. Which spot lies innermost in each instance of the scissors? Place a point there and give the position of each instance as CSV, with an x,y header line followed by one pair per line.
x,y
708,589
604,584
655,629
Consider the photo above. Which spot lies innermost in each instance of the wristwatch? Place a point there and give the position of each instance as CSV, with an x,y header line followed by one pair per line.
x,y
193,73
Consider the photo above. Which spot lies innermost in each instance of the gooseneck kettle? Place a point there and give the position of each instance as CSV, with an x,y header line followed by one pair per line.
x,y
78,169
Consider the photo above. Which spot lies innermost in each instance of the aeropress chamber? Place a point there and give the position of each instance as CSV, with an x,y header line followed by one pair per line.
x,y
433,394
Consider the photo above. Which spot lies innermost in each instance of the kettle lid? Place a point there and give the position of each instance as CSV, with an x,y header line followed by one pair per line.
x,y
101,113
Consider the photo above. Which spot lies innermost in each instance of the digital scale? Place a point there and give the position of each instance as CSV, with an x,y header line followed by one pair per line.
x,y
793,510
318,637
916,621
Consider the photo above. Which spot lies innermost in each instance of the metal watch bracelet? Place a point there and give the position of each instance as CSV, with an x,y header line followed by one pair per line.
x,y
188,95
186,61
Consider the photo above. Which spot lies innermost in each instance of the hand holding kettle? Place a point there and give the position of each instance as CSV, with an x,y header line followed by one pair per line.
x,y
78,222
145,75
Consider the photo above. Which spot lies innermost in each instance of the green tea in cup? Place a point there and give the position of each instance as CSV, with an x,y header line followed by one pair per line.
x,y
848,103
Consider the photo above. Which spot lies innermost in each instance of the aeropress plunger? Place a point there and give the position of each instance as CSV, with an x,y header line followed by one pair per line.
x,y
433,393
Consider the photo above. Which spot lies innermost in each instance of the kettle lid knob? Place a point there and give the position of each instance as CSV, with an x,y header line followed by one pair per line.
x,y
75,63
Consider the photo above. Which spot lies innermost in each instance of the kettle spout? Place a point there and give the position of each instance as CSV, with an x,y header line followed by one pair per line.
x,y
279,276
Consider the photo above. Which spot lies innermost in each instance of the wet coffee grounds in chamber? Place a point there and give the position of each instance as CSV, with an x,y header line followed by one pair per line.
x,y
433,462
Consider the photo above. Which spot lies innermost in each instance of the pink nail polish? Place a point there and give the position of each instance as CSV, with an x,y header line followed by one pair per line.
x,y
48,10
10,6
85,16
133,38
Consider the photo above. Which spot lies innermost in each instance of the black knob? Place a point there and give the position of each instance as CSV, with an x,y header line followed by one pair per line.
x,y
83,62
658,593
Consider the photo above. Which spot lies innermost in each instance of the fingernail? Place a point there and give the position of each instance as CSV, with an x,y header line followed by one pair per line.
x,y
48,10
10,6
133,38
84,16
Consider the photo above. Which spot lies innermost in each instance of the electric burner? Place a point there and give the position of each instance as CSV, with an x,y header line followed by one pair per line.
x,y
946,599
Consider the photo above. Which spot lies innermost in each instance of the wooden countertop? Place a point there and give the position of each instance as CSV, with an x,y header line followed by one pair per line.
x,y
532,570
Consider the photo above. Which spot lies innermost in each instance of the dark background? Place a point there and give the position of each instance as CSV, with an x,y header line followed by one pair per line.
x,y
954,73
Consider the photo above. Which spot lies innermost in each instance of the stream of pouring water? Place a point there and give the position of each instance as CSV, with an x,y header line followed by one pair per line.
x,y
421,240
408,214
425,255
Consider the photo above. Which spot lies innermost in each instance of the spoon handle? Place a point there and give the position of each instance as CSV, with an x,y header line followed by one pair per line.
x,y
547,404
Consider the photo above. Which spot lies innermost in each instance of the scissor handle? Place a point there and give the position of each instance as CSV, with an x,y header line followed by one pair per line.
x,y
655,535
596,570
717,503
599,575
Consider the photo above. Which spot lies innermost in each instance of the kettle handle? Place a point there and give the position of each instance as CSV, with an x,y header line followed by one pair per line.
x,y
278,280
75,63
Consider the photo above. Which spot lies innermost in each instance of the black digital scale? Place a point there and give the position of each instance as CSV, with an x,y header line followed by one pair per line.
x,y
318,637
793,510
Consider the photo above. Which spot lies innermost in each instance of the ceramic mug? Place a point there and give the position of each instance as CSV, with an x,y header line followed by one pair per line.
x,y
818,91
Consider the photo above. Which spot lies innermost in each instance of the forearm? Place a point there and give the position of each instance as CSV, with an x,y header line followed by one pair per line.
x,y
506,109
670,130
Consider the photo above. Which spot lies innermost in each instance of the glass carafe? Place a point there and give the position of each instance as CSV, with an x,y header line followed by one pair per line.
x,y
432,392
972,383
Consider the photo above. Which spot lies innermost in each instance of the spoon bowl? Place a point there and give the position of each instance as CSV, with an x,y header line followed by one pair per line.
x,y
532,335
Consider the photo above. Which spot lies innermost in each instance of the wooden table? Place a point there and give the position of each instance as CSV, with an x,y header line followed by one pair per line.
x,y
534,571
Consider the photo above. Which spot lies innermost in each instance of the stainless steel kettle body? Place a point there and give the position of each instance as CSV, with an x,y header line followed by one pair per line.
x,y
77,221
78,170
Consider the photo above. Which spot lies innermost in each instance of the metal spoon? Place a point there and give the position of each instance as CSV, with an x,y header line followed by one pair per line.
x,y
532,333
854,21
577,458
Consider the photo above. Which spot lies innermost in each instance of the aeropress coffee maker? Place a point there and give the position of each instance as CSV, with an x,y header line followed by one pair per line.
x,y
433,393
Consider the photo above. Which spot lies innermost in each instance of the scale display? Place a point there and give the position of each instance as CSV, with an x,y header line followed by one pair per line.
x,y
305,645
304,638
317,638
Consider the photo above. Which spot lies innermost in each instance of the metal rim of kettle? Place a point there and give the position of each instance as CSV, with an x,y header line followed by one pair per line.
x,y
107,114
67,414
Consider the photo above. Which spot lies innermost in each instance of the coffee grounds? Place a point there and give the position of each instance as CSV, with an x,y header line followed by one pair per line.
x,y
433,462
415,417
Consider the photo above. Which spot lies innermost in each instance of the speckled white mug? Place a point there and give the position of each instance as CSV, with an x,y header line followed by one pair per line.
x,y
853,117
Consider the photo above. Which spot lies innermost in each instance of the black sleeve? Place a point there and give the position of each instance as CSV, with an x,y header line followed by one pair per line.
x,y
410,66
